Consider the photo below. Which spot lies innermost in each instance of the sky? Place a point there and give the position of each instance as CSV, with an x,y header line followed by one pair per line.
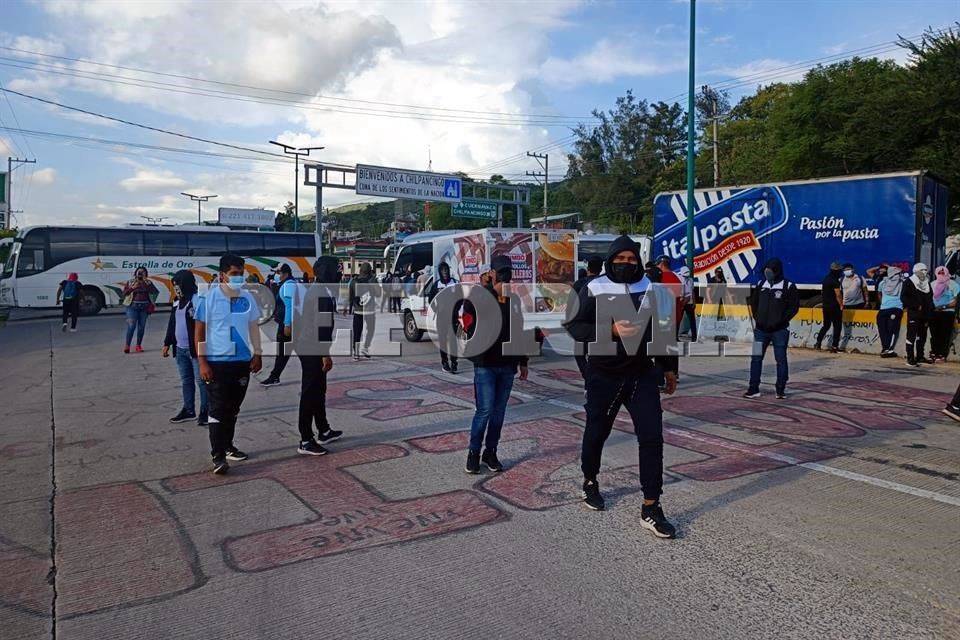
x,y
467,85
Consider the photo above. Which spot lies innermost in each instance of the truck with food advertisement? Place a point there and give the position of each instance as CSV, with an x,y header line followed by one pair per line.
x,y
544,259
893,218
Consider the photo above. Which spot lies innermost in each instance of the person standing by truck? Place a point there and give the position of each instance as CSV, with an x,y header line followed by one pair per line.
x,y
945,292
832,301
917,297
774,301
69,293
855,296
889,286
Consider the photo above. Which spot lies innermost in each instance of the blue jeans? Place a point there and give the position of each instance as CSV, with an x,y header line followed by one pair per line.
x,y
189,369
762,340
136,320
491,388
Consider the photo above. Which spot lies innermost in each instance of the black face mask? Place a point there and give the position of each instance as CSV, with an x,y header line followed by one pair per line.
x,y
504,275
623,271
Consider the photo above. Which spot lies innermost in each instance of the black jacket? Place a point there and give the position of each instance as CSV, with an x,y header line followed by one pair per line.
x,y
170,340
583,326
493,356
917,304
774,304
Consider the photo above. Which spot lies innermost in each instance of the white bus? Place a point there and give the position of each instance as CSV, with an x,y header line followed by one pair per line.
x,y
105,258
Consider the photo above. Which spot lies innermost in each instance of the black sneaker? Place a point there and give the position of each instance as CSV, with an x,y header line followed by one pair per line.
x,y
781,395
473,462
818,346
311,449
752,394
888,354
220,466
270,382
926,360
453,367
329,435
913,363
203,419
652,518
183,416
446,367
489,458
591,495
236,455
834,350
952,412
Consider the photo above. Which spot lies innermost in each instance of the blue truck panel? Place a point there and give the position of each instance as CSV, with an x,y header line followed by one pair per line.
x,y
863,220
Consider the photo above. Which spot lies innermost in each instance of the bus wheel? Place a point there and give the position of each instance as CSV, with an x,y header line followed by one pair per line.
x,y
410,330
91,301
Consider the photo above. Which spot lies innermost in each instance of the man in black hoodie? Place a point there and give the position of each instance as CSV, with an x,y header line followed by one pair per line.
x,y
773,301
443,280
624,374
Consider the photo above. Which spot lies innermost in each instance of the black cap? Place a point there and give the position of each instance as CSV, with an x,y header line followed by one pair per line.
x,y
663,259
285,268
500,262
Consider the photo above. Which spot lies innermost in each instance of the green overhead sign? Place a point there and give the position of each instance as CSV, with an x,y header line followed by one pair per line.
x,y
468,208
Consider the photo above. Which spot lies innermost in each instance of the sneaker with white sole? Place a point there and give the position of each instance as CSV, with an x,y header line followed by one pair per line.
x,y
311,449
236,455
329,436
752,394
220,466
652,518
591,495
951,412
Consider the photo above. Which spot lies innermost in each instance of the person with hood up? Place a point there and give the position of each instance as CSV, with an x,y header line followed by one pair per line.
x,y
363,305
594,268
628,379
314,368
69,293
889,284
180,331
774,301
832,295
917,297
441,282
493,371
945,292
689,301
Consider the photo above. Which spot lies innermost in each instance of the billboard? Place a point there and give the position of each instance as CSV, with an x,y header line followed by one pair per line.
x,y
808,225
404,184
256,218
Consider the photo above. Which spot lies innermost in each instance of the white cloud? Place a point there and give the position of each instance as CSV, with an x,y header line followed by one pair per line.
x,y
721,40
147,180
44,177
764,71
835,49
604,62
6,149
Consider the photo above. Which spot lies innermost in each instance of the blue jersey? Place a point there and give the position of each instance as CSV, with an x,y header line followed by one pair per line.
x,y
228,317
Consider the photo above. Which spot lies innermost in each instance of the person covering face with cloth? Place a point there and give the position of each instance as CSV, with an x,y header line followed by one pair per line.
x,y
945,292
917,297
889,287
228,347
629,378
774,302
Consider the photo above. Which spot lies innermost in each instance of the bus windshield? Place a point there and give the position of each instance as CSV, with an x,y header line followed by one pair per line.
x,y
11,261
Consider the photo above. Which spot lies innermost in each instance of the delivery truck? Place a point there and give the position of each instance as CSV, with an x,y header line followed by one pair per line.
x,y
545,259
892,218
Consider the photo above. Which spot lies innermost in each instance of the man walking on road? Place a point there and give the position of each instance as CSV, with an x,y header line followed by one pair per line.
x,y
774,302
281,315
69,293
228,347
832,301
631,380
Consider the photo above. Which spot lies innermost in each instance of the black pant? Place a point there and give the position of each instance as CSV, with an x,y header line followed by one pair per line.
x,y
888,326
225,395
916,336
690,311
395,305
282,357
941,330
640,394
956,397
359,319
447,359
581,364
832,319
313,397
71,309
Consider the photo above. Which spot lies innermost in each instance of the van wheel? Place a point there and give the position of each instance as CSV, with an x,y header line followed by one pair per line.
x,y
410,330
91,301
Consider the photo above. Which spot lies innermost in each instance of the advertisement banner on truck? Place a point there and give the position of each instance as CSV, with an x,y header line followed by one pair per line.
x,y
808,225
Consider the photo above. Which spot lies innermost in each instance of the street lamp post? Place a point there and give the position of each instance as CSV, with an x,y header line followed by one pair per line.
x,y
198,200
297,153
691,155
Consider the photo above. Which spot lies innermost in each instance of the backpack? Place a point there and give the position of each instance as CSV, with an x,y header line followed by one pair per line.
x,y
279,308
70,289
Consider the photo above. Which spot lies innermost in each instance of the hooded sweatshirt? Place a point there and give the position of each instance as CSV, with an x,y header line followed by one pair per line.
x,y
917,295
890,288
363,303
774,302
583,326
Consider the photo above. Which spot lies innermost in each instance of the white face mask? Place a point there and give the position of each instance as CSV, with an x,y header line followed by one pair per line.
x,y
848,272
921,275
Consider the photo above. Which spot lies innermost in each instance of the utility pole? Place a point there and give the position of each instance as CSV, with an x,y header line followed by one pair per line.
x,y
691,139
10,168
296,153
712,96
198,200
545,165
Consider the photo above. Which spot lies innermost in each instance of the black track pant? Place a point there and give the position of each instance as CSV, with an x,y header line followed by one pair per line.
x,y
71,309
313,397
282,356
832,319
941,330
888,326
640,394
226,392
916,337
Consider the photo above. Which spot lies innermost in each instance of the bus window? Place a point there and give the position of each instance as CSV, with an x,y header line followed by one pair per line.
x,y
307,247
71,244
278,245
120,242
32,251
245,244
207,244
164,243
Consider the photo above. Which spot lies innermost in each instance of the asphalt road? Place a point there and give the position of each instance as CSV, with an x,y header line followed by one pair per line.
x,y
835,514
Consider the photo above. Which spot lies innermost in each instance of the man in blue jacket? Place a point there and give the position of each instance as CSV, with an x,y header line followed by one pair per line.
x,y
774,302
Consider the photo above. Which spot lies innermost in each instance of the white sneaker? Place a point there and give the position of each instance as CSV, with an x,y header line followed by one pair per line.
x,y
73,330
63,327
